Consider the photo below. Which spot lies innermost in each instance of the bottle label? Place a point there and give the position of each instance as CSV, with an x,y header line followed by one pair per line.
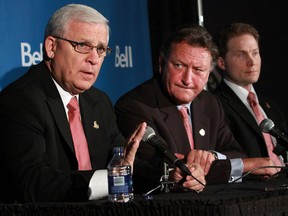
x,y
120,184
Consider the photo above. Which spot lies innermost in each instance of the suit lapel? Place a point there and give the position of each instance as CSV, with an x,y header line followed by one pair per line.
x,y
172,119
200,124
237,105
58,112
266,105
56,105
89,119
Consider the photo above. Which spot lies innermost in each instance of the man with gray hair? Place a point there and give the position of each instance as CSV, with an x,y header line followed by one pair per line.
x,y
52,150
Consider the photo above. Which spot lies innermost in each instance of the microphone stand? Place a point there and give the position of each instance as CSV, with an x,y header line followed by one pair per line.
x,y
282,149
165,185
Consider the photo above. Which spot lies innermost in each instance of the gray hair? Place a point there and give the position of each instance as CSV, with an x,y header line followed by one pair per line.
x,y
57,23
73,12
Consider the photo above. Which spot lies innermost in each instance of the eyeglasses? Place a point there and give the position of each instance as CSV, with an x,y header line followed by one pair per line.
x,y
86,48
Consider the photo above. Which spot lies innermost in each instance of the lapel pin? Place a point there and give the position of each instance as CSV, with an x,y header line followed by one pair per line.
x,y
95,125
202,132
267,105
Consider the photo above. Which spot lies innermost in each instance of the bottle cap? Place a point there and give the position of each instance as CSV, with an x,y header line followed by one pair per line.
x,y
118,150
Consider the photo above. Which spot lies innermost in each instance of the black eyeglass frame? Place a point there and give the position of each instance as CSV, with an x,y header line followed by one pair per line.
x,y
76,46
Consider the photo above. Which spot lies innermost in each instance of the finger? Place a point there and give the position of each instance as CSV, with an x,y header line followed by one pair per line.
x,y
175,175
199,157
196,171
194,185
179,156
191,156
135,134
208,162
133,142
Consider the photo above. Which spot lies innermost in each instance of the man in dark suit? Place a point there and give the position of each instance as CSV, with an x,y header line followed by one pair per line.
x,y
37,155
187,57
240,64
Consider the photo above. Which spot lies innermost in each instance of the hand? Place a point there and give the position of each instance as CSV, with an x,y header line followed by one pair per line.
x,y
133,143
176,176
252,163
204,158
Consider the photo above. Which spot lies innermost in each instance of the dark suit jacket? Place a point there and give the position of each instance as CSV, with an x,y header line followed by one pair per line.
x,y
149,103
243,124
37,154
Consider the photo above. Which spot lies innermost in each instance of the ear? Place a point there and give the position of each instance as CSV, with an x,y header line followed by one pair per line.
x,y
50,46
221,63
161,63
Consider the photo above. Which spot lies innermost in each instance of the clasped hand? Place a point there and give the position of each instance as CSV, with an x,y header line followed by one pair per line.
x,y
199,163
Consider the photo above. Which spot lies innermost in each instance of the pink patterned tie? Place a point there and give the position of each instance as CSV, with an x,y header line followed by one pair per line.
x,y
259,116
187,124
78,135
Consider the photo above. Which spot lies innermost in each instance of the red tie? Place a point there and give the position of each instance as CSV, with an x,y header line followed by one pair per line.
x,y
259,116
79,139
187,124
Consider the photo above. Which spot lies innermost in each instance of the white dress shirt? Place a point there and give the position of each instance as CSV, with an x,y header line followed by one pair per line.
x,y
98,185
236,163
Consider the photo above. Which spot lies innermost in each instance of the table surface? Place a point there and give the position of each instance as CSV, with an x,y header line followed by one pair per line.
x,y
253,197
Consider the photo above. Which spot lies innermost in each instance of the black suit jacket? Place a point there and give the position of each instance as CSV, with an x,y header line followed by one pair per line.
x,y
242,122
37,154
149,103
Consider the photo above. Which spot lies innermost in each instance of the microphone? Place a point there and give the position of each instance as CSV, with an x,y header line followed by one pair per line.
x,y
268,126
151,138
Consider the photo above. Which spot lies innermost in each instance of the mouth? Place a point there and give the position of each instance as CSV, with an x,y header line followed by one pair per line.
x,y
185,87
87,75
253,71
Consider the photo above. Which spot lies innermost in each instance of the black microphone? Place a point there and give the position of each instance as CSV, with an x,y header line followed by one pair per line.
x,y
151,138
268,126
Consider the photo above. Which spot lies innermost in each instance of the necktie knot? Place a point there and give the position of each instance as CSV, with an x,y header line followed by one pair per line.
x,y
184,112
73,108
252,99
73,104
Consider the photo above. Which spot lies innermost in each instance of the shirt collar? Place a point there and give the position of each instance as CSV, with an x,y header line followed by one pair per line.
x,y
65,96
185,105
241,92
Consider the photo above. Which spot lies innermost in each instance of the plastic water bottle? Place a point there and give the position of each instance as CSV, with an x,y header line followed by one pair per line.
x,y
120,185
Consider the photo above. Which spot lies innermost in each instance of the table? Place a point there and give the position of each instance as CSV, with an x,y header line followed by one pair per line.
x,y
247,198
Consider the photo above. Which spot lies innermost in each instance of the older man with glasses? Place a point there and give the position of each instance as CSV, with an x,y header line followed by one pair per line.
x,y
58,131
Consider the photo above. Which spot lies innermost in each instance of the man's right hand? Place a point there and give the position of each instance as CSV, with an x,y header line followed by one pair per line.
x,y
252,163
176,176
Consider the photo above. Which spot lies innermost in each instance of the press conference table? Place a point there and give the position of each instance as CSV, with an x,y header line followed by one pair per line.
x,y
247,198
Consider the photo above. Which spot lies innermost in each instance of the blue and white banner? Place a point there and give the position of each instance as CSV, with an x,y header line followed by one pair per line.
x,y
22,25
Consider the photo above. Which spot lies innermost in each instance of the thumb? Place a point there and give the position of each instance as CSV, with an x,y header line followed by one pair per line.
x,y
179,156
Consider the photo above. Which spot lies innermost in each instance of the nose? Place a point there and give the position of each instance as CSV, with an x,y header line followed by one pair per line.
x,y
93,57
250,59
187,76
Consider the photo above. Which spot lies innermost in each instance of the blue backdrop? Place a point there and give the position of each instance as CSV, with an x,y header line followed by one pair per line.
x,y
22,25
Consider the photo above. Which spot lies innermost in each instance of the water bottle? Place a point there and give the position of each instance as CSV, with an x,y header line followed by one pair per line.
x,y
120,186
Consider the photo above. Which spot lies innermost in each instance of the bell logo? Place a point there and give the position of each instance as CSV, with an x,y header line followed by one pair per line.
x,y
29,58
123,60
